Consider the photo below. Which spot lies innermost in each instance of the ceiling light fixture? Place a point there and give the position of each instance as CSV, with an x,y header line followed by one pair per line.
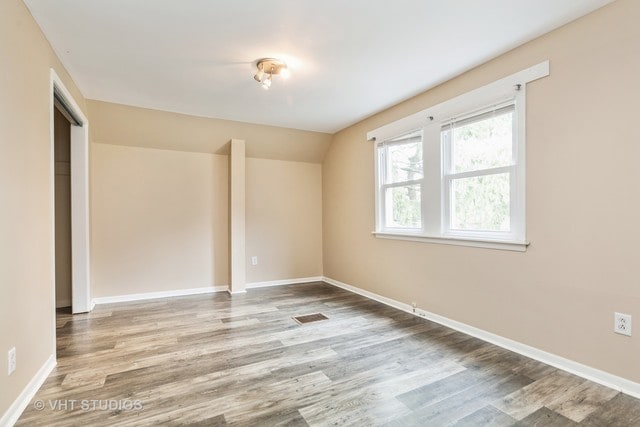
x,y
266,82
267,68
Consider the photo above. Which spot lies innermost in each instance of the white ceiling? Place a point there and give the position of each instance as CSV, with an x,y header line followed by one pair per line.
x,y
348,58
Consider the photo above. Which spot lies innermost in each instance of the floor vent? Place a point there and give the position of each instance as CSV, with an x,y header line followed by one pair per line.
x,y
308,318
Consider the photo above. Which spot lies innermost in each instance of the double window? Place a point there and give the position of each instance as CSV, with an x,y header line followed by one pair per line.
x,y
455,173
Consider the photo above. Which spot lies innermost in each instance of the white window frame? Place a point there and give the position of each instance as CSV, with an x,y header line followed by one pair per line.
x,y
436,179
515,171
382,153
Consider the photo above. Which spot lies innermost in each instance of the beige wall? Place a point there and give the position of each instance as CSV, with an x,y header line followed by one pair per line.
x,y
159,220
124,125
138,152
27,297
582,205
159,207
175,133
283,220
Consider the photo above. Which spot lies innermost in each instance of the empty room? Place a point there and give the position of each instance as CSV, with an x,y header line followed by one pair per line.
x,y
353,213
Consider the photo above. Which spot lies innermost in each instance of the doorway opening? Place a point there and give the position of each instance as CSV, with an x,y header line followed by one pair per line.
x,y
69,201
62,212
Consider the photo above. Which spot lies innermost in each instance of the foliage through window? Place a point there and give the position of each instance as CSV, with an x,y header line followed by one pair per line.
x,y
479,169
455,172
401,181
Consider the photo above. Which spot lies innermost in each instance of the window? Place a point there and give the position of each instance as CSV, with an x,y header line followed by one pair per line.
x,y
455,172
479,170
401,182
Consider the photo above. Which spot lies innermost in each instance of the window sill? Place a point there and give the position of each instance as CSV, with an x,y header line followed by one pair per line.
x,y
459,241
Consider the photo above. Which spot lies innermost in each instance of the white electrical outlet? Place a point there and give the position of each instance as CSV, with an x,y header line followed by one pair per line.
x,y
254,260
11,358
622,323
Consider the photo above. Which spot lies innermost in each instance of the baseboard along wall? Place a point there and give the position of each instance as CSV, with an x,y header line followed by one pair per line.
x,y
10,417
161,294
596,375
601,377
203,290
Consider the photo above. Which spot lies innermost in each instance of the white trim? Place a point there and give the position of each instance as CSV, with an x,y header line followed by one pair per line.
x,y
283,282
161,294
592,374
457,241
463,102
196,291
384,300
80,283
10,417
436,182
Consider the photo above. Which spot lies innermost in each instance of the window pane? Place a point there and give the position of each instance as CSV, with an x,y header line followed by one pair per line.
x,y
482,144
402,208
481,203
405,162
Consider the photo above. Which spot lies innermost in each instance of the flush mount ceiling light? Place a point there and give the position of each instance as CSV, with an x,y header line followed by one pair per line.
x,y
267,68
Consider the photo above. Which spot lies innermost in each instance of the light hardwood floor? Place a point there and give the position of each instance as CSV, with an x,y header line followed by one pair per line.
x,y
217,360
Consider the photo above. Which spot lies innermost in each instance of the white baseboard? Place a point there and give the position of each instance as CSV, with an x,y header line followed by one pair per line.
x,y
22,401
161,294
596,375
195,291
370,295
284,282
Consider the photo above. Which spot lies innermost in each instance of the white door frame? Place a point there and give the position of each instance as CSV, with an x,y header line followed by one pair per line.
x,y
80,277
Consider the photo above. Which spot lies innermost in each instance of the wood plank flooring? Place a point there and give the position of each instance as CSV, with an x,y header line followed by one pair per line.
x,y
217,360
